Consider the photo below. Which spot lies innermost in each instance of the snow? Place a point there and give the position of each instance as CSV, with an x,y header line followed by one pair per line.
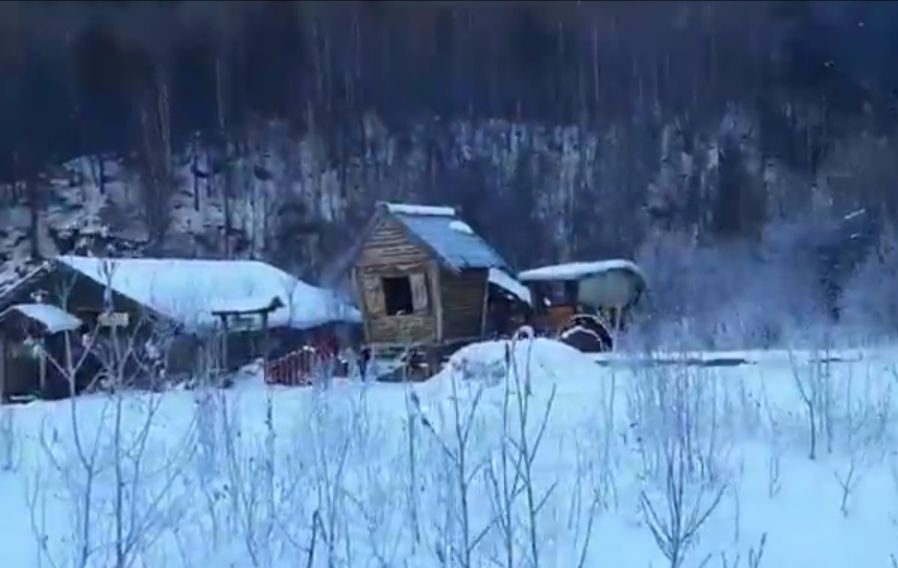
x,y
188,290
855,214
577,270
11,280
507,282
461,227
238,494
52,317
427,210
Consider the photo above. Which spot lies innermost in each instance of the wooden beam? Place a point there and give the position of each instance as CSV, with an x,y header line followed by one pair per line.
x,y
265,339
486,298
3,357
360,294
437,300
224,344
42,363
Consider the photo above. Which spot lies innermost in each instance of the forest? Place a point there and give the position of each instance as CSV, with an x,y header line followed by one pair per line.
x,y
743,151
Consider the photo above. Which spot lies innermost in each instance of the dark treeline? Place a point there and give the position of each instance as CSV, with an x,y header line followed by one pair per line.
x,y
76,74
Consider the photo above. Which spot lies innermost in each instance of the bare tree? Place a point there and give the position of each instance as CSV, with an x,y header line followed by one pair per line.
x,y
674,404
157,179
526,447
813,382
462,470
511,477
755,556
118,528
504,479
848,482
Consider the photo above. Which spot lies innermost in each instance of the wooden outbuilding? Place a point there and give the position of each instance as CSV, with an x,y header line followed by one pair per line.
x,y
32,336
584,303
179,317
423,278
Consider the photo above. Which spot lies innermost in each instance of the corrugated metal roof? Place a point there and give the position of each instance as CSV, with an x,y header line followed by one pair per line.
x,y
451,239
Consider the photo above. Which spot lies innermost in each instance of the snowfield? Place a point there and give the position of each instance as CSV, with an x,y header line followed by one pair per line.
x,y
524,454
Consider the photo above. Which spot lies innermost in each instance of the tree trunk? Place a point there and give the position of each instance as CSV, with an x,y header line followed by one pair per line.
x,y
224,153
34,208
196,179
155,125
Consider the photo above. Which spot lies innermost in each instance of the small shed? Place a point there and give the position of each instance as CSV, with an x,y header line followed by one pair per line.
x,y
422,277
611,287
28,332
510,304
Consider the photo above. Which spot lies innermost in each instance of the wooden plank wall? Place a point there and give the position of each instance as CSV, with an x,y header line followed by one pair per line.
x,y
389,252
462,297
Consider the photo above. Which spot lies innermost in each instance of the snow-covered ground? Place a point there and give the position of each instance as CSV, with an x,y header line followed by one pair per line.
x,y
371,475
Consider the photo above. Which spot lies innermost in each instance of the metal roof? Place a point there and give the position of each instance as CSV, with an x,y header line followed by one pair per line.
x,y
578,270
452,240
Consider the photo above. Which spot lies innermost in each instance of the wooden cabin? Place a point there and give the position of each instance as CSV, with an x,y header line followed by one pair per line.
x,y
195,315
422,277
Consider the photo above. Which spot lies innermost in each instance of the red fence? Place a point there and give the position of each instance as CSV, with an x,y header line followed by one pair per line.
x,y
298,368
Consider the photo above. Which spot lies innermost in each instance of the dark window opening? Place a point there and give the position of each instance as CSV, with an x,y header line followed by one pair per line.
x,y
555,293
571,289
398,296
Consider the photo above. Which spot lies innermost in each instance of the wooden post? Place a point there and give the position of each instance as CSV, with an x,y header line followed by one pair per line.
x,y
3,356
616,324
224,344
437,300
42,363
486,298
357,281
264,344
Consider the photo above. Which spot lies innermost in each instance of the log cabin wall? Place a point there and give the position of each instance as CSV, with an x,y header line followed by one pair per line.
x,y
389,253
463,300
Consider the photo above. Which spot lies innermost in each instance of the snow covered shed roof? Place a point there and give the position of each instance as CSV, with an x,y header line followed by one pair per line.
x,y
52,318
508,283
578,270
188,290
449,238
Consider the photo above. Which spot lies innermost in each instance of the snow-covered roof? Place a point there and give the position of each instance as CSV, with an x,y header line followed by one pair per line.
x,y
54,319
577,270
409,209
508,283
189,290
452,240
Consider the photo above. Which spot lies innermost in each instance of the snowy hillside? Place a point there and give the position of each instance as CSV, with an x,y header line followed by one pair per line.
x,y
94,208
291,201
444,474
